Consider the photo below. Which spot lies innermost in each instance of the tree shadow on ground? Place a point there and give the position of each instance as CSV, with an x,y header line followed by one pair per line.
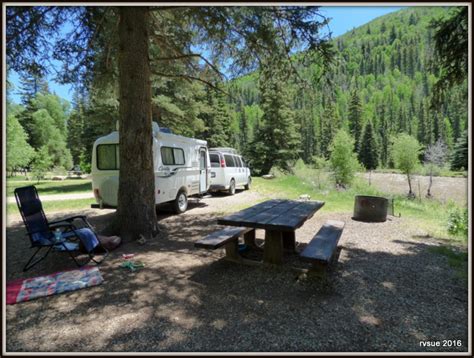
x,y
166,209
187,299
220,194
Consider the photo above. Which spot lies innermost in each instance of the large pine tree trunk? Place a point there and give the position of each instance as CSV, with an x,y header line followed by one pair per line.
x,y
136,213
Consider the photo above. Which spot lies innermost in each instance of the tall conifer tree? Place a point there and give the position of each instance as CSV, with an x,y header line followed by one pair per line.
x,y
355,118
329,128
277,135
368,151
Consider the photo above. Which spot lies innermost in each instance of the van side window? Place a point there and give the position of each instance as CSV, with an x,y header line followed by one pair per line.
x,y
215,162
107,157
229,160
243,162
238,162
172,156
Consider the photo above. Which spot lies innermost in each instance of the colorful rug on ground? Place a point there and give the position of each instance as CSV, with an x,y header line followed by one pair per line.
x,y
28,289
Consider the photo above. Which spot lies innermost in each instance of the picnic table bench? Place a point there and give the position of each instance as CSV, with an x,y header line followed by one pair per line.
x,y
322,248
227,237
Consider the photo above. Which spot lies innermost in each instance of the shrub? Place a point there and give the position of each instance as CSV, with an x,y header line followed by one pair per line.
x,y
277,172
458,222
343,159
85,164
404,152
319,162
299,165
42,162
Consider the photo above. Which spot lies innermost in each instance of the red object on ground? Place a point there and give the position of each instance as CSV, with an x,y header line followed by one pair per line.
x,y
30,288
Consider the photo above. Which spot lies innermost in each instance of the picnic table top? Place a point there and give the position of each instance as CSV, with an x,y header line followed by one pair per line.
x,y
276,214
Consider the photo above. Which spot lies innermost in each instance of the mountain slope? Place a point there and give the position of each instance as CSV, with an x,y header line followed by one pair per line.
x,y
387,64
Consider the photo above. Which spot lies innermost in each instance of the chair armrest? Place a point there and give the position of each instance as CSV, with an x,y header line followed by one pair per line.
x,y
72,218
53,226
35,232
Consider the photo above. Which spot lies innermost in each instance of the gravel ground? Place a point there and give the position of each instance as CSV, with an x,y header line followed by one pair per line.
x,y
387,293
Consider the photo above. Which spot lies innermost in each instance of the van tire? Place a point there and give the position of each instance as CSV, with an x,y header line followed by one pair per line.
x,y
249,182
180,204
232,187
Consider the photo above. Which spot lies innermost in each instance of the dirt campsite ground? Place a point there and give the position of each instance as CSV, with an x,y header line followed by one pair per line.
x,y
390,291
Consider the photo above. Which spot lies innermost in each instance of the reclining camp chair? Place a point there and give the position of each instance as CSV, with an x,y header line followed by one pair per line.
x,y
41,231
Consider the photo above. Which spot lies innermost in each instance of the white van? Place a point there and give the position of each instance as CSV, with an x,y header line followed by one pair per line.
x,y
228,170
181,166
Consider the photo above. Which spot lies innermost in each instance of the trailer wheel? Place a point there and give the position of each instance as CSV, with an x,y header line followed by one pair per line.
x,y
249,182
232,187
180,203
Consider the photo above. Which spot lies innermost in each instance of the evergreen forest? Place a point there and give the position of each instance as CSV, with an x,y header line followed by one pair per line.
x,y
380,83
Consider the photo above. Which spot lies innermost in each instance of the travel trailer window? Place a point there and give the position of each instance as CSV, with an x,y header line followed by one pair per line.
x,y
172,156
215,163
229,160
107,157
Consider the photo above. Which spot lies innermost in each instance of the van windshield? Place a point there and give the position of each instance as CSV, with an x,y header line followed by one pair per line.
x,y
214,160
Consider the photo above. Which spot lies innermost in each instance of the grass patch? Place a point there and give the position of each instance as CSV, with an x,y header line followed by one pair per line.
x,y
17,178
456,260
51,187
431,216
291,187
54,206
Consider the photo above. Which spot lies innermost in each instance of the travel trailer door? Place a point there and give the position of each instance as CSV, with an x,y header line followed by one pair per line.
x,y
202,170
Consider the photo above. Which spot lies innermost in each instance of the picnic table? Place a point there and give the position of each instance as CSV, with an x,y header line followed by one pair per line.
x,y
279,218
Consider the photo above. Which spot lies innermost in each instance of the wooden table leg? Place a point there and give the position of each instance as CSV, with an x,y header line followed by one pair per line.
x,y
249,240
289,241
232,250
273,249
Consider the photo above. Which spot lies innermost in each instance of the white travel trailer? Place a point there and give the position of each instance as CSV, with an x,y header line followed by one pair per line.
x,y
181,166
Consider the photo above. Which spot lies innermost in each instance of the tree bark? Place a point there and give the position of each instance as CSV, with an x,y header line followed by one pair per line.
x,y
428,194
410,192
136,213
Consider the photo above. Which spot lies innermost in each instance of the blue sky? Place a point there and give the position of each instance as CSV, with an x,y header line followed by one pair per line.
x,y
343,19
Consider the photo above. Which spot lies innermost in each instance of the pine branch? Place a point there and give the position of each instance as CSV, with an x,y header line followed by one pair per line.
x,y
190,78
29,25
191,55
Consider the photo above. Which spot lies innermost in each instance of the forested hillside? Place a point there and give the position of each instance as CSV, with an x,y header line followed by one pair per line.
x,y
380,83
382,75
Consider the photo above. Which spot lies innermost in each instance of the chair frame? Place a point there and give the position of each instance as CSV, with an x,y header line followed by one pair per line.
x,y
67,227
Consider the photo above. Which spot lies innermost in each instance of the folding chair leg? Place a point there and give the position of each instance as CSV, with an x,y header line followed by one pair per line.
x,y
91,258
77,262
106,253
28,266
